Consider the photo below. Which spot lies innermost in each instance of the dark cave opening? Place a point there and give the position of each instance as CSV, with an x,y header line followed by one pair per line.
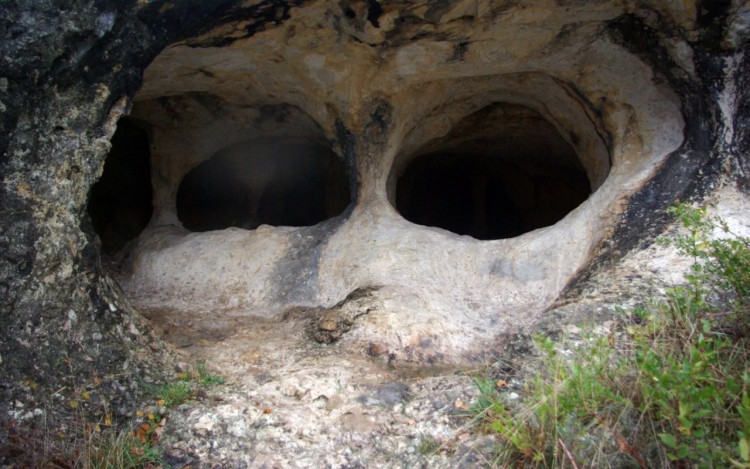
x,y
503,171
120,202
261,182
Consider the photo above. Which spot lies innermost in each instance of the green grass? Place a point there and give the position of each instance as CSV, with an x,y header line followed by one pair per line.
x,y
118,450
671,389
138,445
207,379
428,445
181,391
174,394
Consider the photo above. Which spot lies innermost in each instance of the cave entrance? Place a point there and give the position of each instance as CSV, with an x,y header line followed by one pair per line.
x,y
264,182
120,202
502,171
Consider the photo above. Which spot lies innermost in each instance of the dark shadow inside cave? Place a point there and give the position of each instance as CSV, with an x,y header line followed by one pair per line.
x,y
501,172
278,183
120,202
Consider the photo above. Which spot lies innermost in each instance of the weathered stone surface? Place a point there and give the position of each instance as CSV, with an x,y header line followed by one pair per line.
x,y
67,73
295,403
634,98
651,95
339,320
330,406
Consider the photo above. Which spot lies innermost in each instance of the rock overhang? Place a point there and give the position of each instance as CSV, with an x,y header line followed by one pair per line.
x,y
378,95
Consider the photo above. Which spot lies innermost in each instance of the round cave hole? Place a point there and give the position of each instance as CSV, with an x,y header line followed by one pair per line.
x,y
500,172
278,183
120,202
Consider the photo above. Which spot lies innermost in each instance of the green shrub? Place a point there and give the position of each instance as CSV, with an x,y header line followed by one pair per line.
x,y
670,391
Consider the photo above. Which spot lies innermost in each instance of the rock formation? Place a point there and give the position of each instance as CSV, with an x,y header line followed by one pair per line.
x,y
464,162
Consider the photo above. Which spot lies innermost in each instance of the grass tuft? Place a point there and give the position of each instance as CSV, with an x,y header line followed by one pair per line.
x,y
428,445
671,389
207,379
118,450
174,394
100,443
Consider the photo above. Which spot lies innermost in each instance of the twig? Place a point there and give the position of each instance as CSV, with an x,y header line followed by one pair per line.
x,y
567,453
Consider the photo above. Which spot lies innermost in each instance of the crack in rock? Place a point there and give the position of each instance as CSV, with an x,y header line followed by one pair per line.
x,y
337,321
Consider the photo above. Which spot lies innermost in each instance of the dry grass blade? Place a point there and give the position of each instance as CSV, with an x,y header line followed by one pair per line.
x,y
567,453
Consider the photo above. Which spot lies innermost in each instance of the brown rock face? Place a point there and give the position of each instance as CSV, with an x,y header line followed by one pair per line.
x,y
463,161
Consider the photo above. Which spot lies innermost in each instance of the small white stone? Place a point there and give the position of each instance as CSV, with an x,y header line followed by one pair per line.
x,y
238,429
204,423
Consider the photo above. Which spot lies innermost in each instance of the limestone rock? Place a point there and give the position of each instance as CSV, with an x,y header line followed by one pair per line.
x,y
466,163
339,319
489,152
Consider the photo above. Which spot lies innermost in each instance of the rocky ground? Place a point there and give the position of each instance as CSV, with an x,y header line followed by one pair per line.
x,y
292,402
296,396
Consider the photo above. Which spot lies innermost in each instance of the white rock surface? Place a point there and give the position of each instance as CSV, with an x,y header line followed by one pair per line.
x,y
252,303
444,297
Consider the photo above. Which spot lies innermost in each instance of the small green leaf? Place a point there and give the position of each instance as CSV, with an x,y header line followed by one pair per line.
x,y
683,451
668,440
744,447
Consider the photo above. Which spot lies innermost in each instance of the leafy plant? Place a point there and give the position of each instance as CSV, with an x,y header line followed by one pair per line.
x,y
670,390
